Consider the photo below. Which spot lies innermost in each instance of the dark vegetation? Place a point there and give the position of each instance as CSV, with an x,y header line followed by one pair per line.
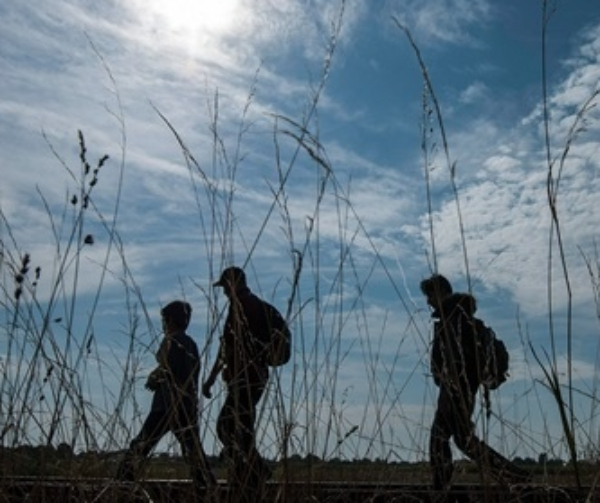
x,y
50,363
61,462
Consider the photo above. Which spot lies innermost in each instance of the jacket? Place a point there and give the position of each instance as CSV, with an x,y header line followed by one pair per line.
x,y
453,353
179,359
245,340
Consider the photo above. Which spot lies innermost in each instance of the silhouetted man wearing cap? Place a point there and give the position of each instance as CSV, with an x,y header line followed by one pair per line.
x,y
456,373
175,402
243,365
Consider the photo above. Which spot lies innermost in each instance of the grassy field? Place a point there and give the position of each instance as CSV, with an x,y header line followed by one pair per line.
x,y
72,396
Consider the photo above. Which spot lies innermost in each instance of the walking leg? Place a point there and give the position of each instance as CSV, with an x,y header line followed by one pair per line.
x,y
152,431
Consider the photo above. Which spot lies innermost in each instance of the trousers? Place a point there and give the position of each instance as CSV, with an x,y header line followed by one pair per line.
x,y
184,425
453,420
235,429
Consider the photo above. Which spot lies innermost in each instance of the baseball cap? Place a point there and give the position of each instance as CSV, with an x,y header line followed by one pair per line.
x,y
233,276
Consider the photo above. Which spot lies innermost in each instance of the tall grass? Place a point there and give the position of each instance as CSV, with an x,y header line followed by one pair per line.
x,y
58,376
556,243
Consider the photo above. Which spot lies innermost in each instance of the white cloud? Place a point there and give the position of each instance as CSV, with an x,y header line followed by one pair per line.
x,y
443,21
502,175
475,93
173,236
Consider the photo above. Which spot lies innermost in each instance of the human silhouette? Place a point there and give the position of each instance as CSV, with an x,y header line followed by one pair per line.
x,y
174,408
456,373
243,364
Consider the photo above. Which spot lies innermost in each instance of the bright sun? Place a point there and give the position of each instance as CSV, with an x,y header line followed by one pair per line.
x,y
189,16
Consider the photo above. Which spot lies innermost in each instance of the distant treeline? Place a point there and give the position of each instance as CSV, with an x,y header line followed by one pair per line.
x,y
28,460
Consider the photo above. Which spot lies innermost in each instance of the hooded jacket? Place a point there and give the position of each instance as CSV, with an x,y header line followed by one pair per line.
x,y
453,352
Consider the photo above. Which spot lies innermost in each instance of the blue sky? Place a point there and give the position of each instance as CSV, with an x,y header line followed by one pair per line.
x,y
250,74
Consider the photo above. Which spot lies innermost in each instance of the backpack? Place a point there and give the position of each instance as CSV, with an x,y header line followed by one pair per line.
x,y
280,343
492,356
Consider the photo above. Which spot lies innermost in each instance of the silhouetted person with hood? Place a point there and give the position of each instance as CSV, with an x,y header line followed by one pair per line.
x,y
175,402
242,363
455,371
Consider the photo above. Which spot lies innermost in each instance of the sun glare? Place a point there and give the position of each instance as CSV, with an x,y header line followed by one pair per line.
x,y
189,16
